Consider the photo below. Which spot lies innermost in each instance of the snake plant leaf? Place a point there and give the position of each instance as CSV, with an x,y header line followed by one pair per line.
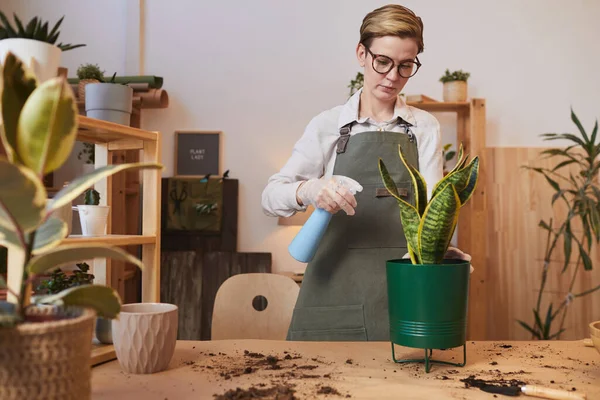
x,y
438,224
48,126
18,83
82,183
388,182
49,235
103,299
418,183
70,254
459,178
459,159
22,197
466,193
409,216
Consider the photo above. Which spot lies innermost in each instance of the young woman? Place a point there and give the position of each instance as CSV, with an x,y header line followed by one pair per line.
x,y
343,294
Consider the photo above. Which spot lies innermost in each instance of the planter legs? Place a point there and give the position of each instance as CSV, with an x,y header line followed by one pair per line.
x,y
428,361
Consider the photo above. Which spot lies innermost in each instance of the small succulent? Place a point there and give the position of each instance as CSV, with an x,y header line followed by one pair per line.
x,y
92,197
35,29
459,75
429,225
90,71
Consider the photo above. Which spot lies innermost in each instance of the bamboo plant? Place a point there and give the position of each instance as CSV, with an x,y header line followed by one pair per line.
x,y
429,225
39,131
579,191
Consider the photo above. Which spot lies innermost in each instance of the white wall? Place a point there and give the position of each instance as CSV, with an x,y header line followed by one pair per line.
x,y
259,71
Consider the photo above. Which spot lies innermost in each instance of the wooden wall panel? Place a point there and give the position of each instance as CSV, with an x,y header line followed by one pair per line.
x,y
517,200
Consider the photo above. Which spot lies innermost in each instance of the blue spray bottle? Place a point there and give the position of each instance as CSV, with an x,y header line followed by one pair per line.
x,y
304,246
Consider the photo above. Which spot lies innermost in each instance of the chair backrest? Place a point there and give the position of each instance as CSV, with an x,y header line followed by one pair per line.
x,y
234,313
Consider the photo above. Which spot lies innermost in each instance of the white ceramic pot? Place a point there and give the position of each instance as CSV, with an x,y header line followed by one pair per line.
x,y
93,219
109,102
43,58
144,336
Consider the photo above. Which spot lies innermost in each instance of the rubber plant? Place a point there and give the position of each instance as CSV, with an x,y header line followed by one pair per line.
x,y
429,225
39,130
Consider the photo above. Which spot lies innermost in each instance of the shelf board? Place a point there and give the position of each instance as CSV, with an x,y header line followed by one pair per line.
x,y
441,106
102,353
98,131
115,240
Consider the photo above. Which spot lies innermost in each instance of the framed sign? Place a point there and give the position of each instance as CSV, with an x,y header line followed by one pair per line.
x,y
197,153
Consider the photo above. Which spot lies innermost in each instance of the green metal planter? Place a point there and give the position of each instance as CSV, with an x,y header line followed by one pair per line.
x,y
428,307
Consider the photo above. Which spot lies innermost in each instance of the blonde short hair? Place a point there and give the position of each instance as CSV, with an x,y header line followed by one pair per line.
x,y
392,20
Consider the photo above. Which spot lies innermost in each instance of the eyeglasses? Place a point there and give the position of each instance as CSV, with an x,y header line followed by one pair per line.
x,y
383,64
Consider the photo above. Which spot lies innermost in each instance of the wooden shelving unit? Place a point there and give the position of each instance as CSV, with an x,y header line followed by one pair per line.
x,y
109,137
472,223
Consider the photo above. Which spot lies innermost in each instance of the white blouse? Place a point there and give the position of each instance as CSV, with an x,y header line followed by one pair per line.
x,y
314,153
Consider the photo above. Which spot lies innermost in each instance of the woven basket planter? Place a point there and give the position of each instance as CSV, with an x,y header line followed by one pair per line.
x,y
47,360
455,91
81,87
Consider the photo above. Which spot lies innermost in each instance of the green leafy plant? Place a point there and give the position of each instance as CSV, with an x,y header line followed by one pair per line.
x,y
89,152
448,155
91,197
40,129
579,191
36,29
90,71
429,226
60,281
459,75
356,83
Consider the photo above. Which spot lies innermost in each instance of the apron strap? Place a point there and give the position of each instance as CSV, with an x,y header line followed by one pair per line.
x,y
345,134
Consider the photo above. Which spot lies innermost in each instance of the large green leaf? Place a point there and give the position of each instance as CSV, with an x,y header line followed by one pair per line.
x,y
103,299
438,224
69,254
48,126
22,197
19,83
82,183
49,235
418,182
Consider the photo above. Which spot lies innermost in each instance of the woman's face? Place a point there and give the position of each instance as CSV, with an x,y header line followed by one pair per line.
x,y
386,87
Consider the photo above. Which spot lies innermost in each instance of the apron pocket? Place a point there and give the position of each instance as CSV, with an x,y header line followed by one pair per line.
x,y
335,323
376,223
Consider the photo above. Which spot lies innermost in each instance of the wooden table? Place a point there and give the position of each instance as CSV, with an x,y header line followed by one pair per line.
x,y
202,369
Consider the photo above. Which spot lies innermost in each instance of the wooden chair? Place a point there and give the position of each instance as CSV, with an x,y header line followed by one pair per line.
x,y
236,312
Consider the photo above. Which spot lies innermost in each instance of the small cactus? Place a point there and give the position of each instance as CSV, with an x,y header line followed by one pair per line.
x,y
92,197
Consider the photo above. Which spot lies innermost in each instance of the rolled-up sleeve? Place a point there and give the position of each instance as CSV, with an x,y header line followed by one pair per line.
x,y
306,162
431,164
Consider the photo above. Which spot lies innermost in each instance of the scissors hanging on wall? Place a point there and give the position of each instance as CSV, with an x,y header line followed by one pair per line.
x,y
178,198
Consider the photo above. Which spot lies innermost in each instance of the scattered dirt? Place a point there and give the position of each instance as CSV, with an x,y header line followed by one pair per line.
x,y
277,392
328,390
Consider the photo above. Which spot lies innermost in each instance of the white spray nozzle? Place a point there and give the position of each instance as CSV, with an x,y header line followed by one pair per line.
x,y
349,183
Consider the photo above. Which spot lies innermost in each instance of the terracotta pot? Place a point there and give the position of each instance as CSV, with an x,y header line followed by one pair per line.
x,y
47,360
144,336
455,91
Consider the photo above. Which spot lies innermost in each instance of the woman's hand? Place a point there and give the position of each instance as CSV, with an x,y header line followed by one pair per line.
x,y
331,194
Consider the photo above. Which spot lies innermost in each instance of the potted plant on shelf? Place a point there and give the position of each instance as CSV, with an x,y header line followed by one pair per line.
x,y
109,101
34,43
92,215
40,128
428,294
88,73
455,85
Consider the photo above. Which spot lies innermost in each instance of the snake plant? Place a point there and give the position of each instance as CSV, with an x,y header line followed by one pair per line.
x,y
35,29
429,225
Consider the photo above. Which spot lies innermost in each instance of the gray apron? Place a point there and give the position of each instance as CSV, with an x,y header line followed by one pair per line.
x,y
343,296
